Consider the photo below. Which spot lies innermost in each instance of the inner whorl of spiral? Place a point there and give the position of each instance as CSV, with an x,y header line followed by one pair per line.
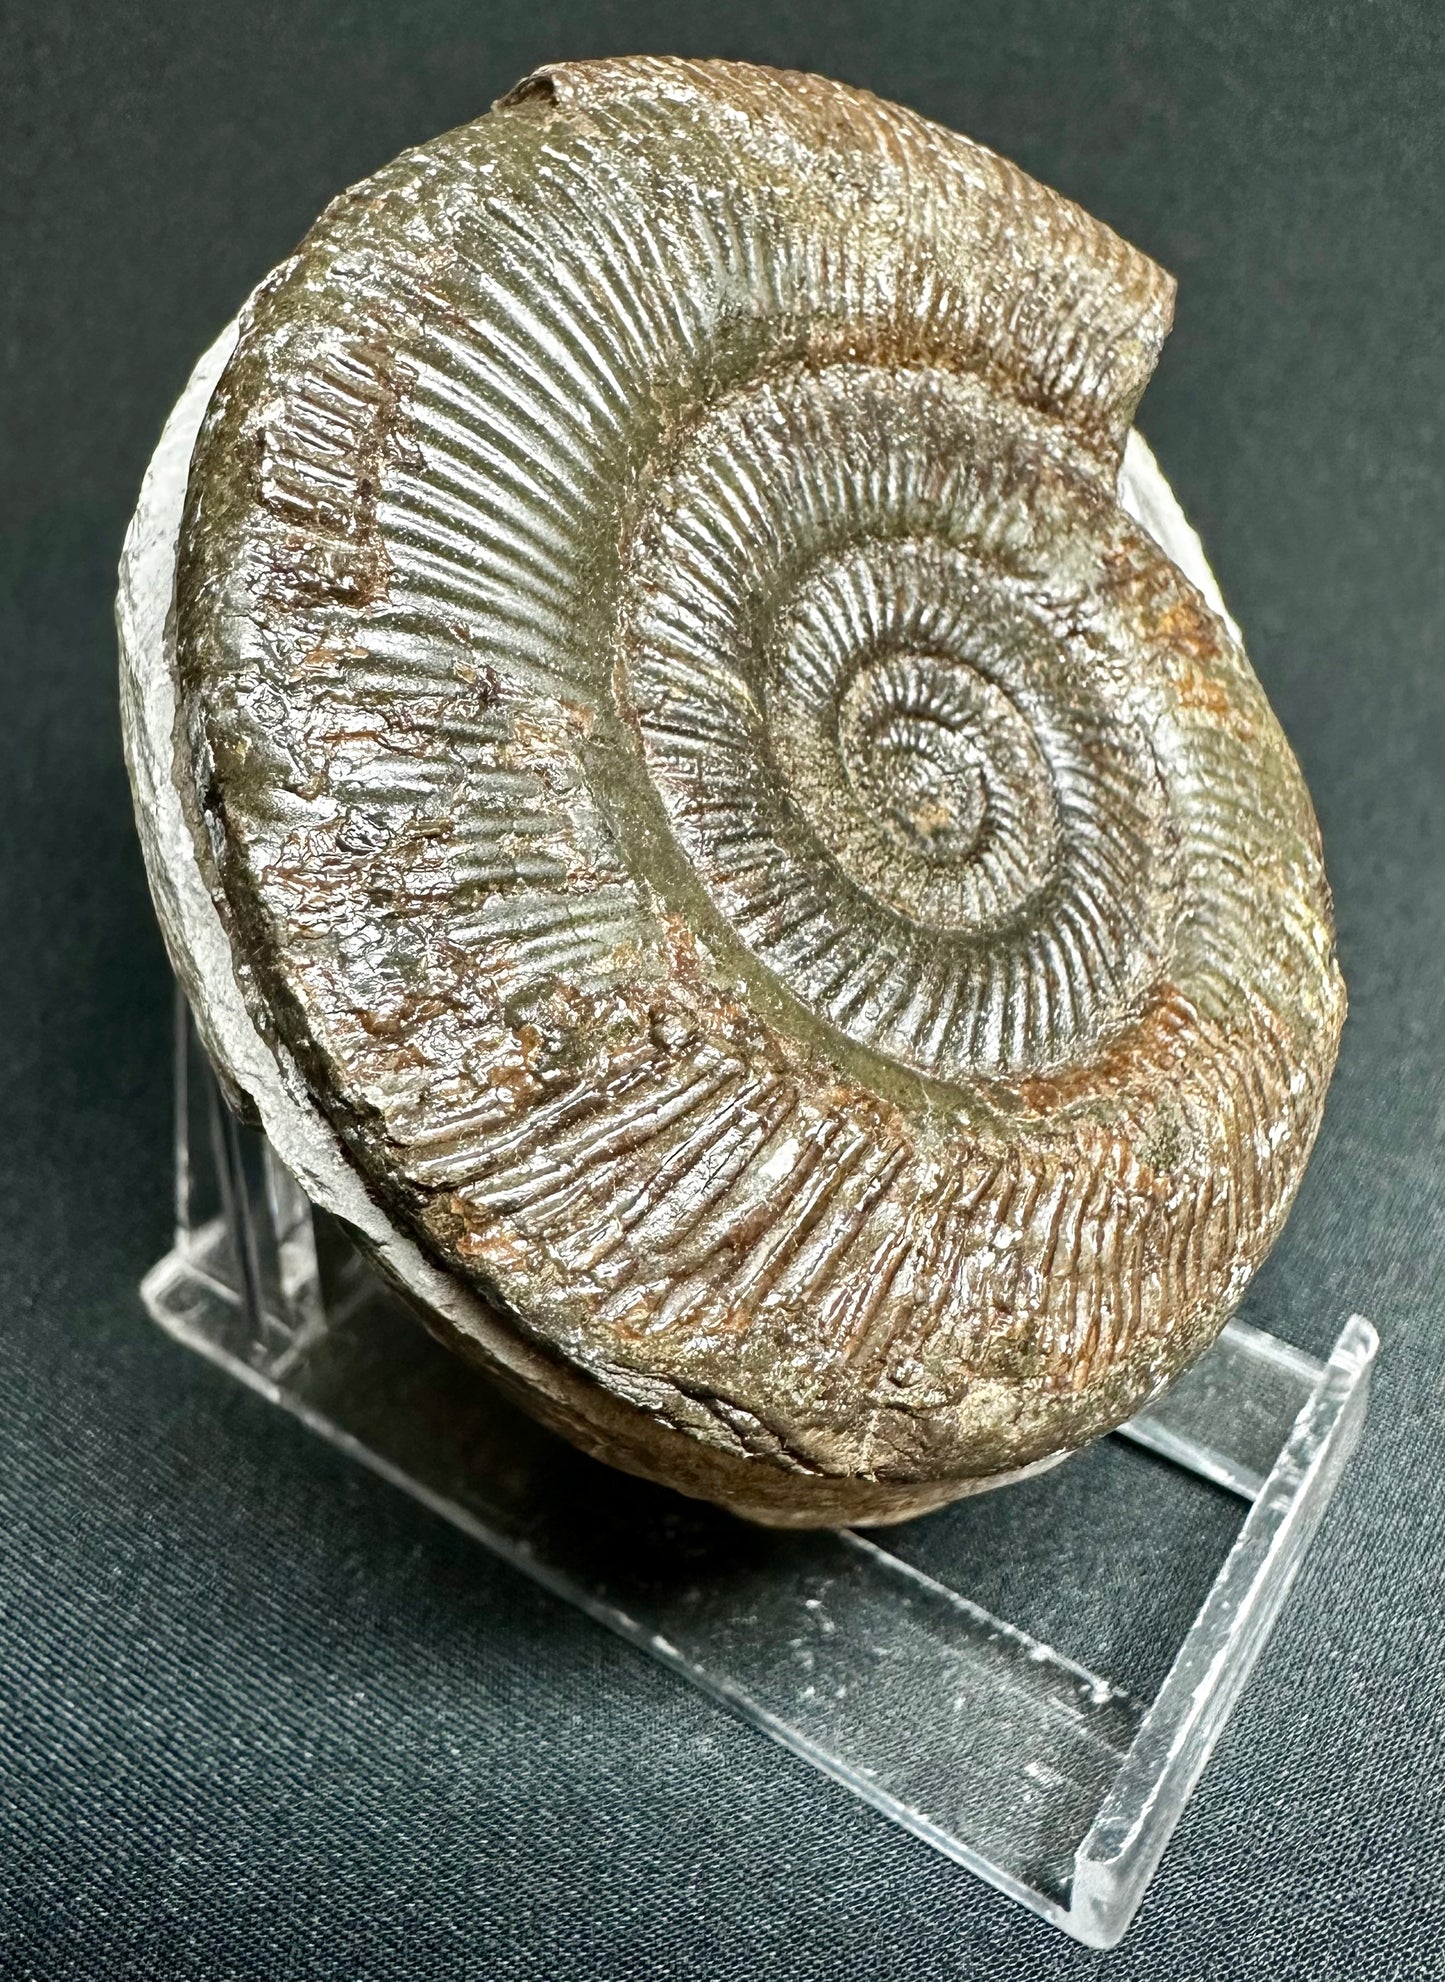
x,y
909,780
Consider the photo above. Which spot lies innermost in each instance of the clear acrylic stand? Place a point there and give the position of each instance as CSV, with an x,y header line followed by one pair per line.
x,y
1052,1783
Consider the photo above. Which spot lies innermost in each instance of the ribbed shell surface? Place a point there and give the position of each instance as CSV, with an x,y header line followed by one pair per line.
x,y
772,875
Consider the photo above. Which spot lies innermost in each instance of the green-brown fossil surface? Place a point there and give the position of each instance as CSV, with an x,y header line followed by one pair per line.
x,y
772,876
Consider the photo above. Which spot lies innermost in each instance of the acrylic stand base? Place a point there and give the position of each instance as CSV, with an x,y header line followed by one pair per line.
x,y
1053,1784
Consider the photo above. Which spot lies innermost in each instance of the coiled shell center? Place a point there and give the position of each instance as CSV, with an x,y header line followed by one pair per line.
x,y
908,770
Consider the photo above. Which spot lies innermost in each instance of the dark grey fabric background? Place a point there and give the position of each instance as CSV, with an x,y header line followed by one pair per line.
x,y
259,1715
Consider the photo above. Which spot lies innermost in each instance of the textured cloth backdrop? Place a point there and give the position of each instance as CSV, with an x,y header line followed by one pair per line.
x,y
261,1716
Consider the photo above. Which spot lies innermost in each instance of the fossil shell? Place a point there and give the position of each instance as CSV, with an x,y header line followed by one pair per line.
x,y
772,876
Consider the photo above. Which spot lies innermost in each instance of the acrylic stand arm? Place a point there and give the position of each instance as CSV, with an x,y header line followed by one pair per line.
x,y
1034,1772
1126,1840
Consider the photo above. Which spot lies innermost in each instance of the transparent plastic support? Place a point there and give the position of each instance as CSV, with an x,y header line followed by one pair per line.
x,y
1039,1775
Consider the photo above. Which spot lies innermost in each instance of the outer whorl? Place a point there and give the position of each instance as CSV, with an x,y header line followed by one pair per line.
x,y
773,878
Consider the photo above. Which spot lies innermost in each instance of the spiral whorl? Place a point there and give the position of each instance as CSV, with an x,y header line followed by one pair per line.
x,y
769,872
918,791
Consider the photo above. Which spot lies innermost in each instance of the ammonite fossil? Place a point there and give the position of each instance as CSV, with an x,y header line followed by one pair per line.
x,y
788,907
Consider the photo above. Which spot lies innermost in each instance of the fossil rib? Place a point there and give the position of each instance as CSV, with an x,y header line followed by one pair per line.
x,y
773,878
